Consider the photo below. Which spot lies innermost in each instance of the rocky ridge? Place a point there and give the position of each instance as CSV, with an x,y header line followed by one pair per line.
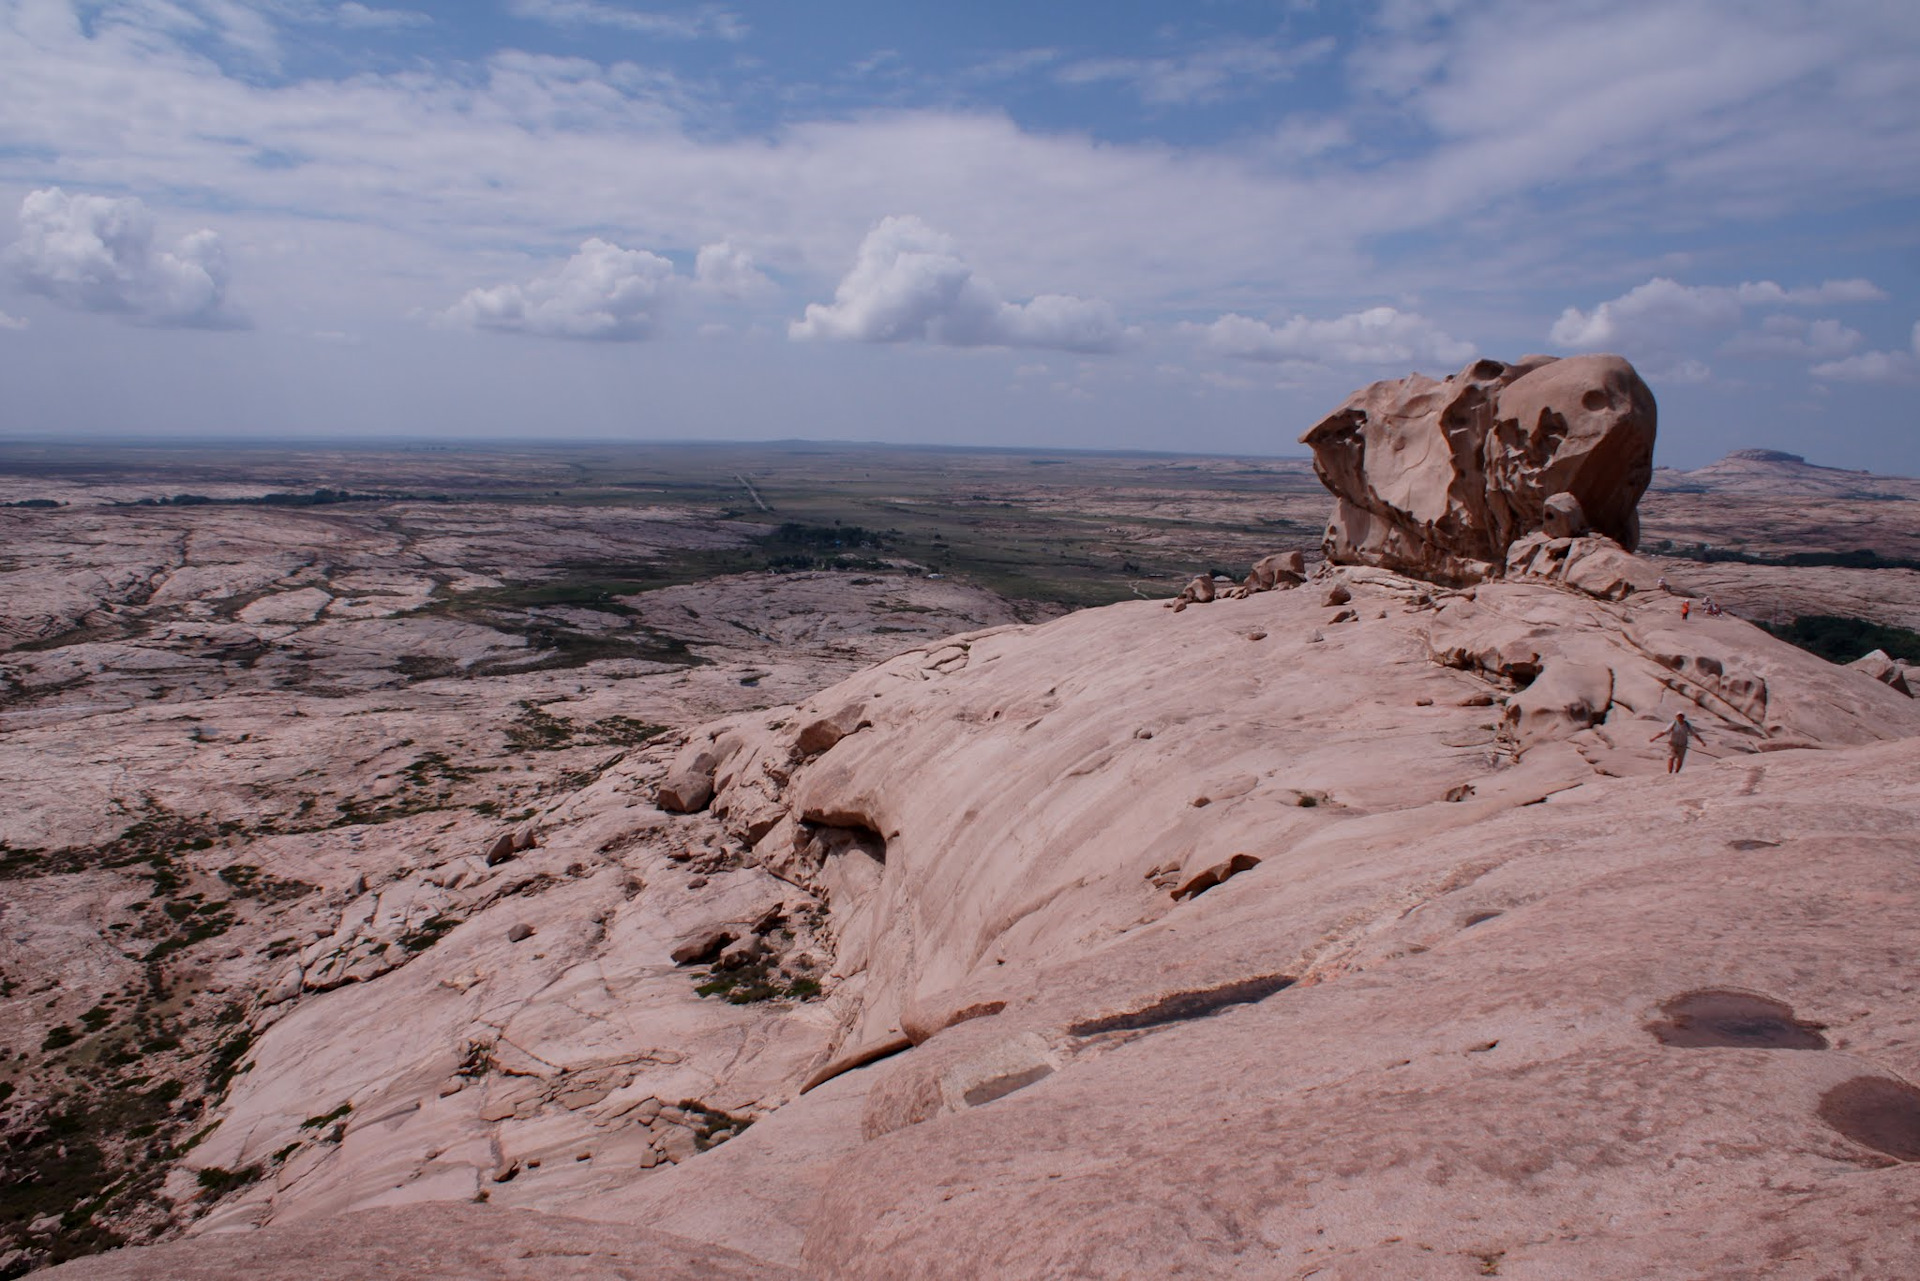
x,y
1392,886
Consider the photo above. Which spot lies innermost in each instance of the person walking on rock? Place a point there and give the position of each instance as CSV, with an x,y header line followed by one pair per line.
x,y
1677,735
1686,607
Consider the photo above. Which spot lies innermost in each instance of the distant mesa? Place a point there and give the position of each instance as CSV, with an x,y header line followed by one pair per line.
x,y
1764,456
1440,478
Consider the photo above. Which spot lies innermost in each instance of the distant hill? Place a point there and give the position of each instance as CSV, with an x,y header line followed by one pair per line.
x,y
1776,472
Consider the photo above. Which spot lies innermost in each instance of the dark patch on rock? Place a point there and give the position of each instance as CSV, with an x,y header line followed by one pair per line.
x,y
1735,1020
1182,1006
1876,1112
1001,1086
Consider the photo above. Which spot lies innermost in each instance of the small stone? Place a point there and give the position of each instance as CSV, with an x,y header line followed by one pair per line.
x,y
519,931
696,883
505,1173
679,1145
1339,595
1256,636
1201,802
1423,702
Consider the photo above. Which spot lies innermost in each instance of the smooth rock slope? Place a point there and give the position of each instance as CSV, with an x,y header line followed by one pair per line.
x,y
1344,931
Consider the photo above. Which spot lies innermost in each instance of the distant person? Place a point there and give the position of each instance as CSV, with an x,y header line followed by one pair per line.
x,y
1663,583
1678,734
1686,608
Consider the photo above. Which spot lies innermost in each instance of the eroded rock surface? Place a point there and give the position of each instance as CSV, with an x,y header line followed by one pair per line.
x,y
1438,478
1408,890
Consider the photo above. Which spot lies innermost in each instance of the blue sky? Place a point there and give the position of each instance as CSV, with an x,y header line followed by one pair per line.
x,y
1165,226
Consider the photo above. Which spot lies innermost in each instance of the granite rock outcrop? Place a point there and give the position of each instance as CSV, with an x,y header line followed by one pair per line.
x,y
1440,478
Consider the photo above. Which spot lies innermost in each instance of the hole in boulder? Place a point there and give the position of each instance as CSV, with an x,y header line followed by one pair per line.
x,y
1182,1006
1876,1112
1594,401
1734,1020
833,834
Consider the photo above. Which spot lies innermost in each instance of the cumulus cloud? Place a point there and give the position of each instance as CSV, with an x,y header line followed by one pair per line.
x,y
707,20
908,284
1664,312
11,322
1875,366
1794,338
729,270
1376,336
603,292
97,254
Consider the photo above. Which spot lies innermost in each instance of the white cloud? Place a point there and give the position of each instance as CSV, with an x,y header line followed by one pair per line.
x,y
97,254
603,292
726,269
1204,75
1376,336
1827,291
707,20
1870,367
1650,311
1875,366
11,322
1663,315
360,17
1793,338
908,284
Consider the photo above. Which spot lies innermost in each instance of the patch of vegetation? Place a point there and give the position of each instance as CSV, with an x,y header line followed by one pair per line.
x,y
1839,639
153,838
219,1182
90,1156
322,497
224,1064
625,731
195,923
538,730
250,882
712,1127
754,982
1858,558
59,1038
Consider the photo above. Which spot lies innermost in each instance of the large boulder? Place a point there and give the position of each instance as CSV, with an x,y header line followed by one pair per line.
x,y
1438,478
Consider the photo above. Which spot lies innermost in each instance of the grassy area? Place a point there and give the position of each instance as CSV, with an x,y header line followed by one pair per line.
x,y
1841,640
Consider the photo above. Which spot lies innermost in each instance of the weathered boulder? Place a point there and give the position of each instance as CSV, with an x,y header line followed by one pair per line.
x,y
688,786
1440,478
1276,572
1883,669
